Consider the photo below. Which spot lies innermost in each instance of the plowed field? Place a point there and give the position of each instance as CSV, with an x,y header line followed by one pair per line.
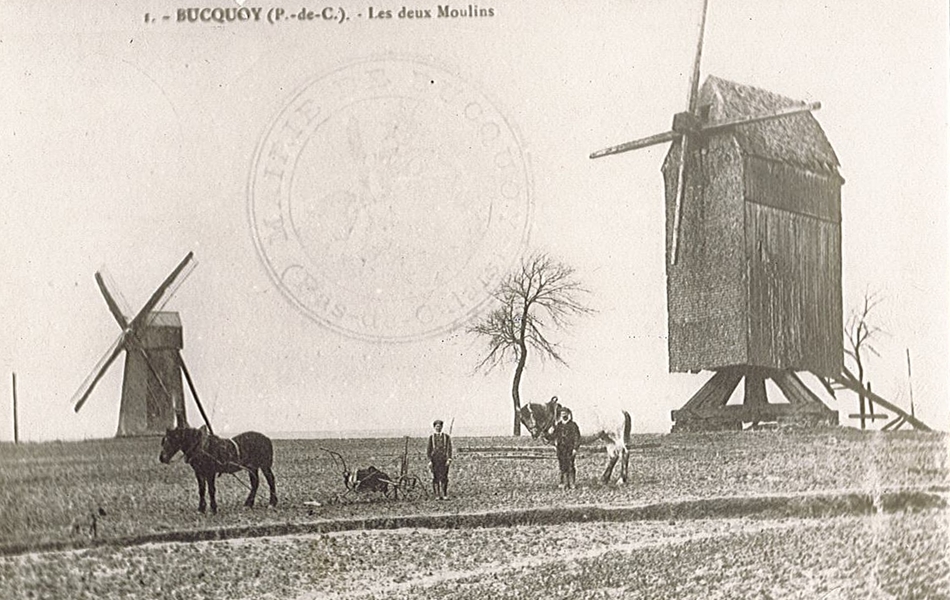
x,y
830,514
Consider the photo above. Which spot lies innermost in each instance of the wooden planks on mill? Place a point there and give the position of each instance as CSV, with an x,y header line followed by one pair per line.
x,y
755,292
753,244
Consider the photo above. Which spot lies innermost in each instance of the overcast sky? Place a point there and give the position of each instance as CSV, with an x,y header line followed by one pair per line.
x,y
125,144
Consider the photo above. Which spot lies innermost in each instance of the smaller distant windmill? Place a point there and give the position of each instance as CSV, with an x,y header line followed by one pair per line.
x,y
152,398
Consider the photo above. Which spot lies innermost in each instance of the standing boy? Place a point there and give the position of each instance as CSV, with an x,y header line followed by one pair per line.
x,y
567,439
439,452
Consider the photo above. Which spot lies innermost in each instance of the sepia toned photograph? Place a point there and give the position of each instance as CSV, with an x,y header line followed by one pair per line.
x,y
517,300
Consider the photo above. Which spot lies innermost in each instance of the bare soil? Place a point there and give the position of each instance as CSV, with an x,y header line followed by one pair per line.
x,y
835,513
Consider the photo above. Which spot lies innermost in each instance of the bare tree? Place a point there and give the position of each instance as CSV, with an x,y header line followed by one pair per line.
x,y
539,295
859,339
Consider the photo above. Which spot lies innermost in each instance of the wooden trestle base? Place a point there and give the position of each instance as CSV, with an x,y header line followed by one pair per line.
x,y
708,410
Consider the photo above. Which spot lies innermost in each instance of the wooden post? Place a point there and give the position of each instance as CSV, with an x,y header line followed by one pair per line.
x,y
194,393
862,413
910,384
16,433
754,389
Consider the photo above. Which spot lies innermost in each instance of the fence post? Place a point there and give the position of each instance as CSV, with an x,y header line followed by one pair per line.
x,y
16,434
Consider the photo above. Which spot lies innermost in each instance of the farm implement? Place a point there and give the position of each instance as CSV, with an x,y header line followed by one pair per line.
x,y
536,452
371,480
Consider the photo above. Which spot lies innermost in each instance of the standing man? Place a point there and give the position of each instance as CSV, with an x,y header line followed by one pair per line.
x,y
439,452
567,439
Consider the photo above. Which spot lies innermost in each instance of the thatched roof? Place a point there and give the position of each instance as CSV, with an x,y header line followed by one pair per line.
x,y
796,139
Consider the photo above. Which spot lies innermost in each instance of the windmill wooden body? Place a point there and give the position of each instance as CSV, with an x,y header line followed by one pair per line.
x,y
152,379
755,292
753,230
152,394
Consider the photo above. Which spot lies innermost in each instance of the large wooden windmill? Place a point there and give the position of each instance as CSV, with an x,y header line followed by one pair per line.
x,y
753,230
152,398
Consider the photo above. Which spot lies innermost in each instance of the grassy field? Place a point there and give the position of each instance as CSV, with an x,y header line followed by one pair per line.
x,y
834,513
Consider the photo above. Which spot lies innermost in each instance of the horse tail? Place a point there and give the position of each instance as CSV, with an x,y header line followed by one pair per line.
x,y
627,427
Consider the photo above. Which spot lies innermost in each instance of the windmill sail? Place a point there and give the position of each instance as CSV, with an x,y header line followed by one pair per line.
x,y
170,293
89,383
160,295
117,311
685,142
129,340
718,126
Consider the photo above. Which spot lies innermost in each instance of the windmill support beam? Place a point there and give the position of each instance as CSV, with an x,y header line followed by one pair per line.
x,y
868,417
708,409
894,425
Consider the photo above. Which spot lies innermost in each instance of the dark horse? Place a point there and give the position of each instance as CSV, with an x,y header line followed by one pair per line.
x,y
209,455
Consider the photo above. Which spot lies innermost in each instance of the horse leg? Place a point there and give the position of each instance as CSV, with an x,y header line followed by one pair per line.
x,y
255,481
608,472
201,492
625,465
211,494
269,476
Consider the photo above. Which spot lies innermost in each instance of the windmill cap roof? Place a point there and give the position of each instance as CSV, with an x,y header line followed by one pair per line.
x,y
164,319
796,139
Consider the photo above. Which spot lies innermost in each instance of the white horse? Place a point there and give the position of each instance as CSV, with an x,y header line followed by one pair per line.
x,y
613,429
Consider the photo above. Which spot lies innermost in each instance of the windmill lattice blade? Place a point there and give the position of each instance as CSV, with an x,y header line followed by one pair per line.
x,y
694,79
82,394
678,207
159,293
636,144
109,281
113,305
785,112
170,293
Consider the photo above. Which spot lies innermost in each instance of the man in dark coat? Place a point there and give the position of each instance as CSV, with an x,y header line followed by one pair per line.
x,y
567,439
439,452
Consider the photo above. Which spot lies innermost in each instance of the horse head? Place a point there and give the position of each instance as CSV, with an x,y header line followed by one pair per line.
x,y
539,419
178,438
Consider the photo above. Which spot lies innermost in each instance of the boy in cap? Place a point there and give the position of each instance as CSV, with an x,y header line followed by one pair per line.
x,y
439,452
567,439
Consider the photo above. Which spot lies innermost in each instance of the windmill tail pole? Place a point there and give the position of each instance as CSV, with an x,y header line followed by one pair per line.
x,y
848,380
194,393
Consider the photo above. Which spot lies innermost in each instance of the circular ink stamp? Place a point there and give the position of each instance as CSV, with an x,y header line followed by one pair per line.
x,y
388,199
